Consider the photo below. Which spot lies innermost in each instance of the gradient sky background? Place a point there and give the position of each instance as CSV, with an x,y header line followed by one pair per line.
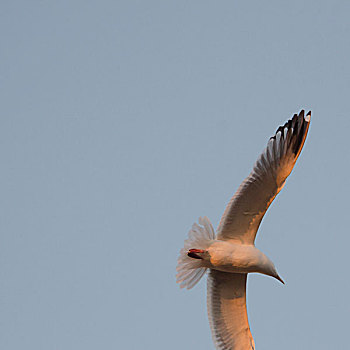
x,y
124,121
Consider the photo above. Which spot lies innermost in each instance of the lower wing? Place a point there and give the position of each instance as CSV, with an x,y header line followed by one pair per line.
x,y
227,311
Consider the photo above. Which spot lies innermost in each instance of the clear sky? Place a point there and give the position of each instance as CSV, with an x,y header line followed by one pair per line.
x,y
122,122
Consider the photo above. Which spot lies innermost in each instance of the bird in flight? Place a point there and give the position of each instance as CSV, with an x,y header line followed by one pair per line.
x,y
231,254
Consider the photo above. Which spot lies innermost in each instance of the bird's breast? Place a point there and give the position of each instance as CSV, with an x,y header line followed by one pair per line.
x,y
232,257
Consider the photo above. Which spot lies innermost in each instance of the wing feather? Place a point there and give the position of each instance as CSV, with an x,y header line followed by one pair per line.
x,y
247,207
227,311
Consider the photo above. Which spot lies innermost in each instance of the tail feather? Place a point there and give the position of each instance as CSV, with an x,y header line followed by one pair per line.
x,y
189,270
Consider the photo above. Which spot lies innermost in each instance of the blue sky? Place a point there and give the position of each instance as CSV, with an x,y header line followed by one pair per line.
x,y
124,121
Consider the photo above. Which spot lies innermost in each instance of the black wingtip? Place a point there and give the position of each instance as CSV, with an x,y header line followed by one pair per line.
x,y
308,116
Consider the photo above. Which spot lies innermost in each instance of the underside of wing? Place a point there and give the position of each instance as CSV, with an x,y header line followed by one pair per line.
x,y
246,209
227,311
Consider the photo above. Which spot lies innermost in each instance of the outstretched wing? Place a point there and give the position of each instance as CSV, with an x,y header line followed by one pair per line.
x,y
247,207
227,311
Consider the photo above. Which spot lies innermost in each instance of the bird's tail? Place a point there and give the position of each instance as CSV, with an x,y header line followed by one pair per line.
x,y
190,264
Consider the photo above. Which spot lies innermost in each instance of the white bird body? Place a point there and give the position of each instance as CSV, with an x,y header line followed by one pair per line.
x,y
229,256
231,253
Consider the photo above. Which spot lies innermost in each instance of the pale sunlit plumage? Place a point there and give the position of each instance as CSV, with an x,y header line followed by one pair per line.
x,y
231,254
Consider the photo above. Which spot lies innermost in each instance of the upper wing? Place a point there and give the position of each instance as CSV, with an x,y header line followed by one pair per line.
x,y
247,207
227,311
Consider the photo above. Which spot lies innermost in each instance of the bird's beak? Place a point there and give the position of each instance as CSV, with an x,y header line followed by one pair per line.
x,y
279,278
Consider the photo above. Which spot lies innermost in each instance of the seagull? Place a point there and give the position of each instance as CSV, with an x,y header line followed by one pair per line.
x,y
231,254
